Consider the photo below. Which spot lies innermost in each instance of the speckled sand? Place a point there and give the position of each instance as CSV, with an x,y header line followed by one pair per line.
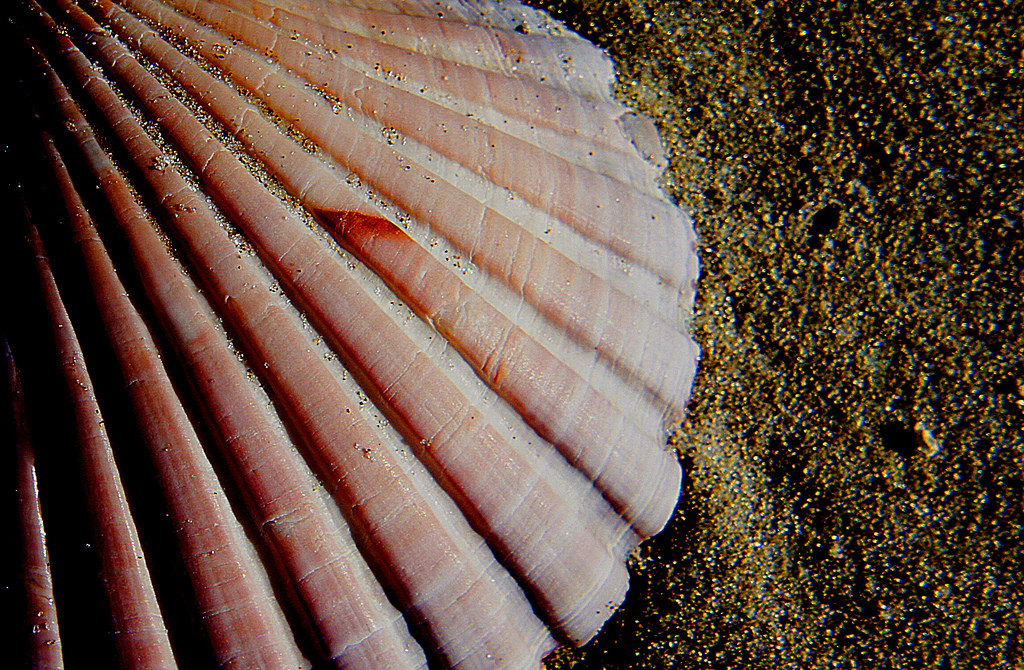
x,y
854,450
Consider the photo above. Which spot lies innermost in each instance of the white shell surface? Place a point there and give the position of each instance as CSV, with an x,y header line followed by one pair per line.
x,y
401,311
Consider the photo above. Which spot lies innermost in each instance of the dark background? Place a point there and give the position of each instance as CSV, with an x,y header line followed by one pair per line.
x,y
854,448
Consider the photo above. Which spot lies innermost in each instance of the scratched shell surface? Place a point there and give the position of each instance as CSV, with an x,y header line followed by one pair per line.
x,y
401,312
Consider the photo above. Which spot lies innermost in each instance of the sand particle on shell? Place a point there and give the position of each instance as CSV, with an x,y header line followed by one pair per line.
x,y
854,449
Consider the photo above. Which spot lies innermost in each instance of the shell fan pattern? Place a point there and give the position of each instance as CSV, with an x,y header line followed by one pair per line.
x,y
352,333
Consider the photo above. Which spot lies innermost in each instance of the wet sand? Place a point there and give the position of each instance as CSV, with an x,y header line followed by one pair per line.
x,y
854,449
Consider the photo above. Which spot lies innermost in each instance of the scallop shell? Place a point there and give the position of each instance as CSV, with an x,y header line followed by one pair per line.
x,y
398,308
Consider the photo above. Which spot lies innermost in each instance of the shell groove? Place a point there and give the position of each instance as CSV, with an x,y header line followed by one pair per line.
x,y
395,303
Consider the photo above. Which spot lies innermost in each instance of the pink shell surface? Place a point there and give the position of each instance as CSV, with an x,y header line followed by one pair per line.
x,y
398,310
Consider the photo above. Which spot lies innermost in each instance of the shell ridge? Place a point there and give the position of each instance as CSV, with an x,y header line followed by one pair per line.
x,y
488,425
138,627
668,336
500,51
223,610
407,298
532,402
45,649
392,101
130,592
219,154
558,116
184,205
150,390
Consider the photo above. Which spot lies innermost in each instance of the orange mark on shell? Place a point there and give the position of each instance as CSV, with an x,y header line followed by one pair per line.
x,y
355,229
